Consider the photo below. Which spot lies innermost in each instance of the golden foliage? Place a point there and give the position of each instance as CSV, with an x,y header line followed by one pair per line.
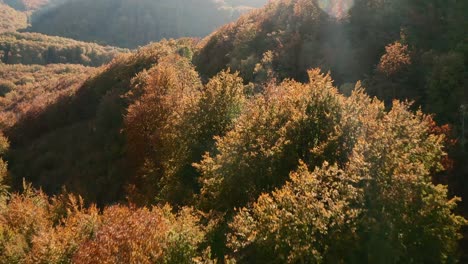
x,y
287,123
395,58
35,230
10,19
380,200
310,218
172,122
163,97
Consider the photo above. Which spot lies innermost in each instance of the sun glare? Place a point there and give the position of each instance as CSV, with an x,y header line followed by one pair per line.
x,y
336,8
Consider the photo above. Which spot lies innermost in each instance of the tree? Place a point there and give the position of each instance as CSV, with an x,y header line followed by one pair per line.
x,y
311,219
446,87
394,59
379,206
173,122
288,123
162,98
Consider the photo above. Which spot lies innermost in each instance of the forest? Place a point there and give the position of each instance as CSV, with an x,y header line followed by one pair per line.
x,y
10,19
231,131
38,49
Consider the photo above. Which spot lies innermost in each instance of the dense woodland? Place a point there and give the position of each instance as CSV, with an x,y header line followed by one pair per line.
x,y
34,48
28,88
10,19
304,132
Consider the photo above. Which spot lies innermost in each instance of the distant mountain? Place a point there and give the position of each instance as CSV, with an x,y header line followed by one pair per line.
x,y
132,23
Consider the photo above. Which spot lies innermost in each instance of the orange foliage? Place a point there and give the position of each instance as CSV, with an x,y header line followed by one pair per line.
x,y
34,87
37,229
143,236
395,58
162,97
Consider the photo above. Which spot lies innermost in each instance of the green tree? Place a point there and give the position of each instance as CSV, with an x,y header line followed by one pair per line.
x,y
447,85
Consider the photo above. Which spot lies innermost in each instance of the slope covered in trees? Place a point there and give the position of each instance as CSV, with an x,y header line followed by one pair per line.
x,y
237,149
34,48
287,37
10,19
87,130
372,177
133,23
414,50
28,88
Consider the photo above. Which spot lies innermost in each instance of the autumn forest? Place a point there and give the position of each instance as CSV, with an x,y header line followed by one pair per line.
x,y
233,131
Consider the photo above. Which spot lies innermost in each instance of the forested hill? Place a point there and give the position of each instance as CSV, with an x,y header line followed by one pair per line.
x,y
132,23
401,49
35,48
257,144
10,19
407,50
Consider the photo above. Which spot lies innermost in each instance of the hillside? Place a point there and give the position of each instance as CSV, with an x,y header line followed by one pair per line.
x,y
147,130
34,48
293,36
133,23
26,88
399,49
88,121
290,37
306,131
10,19
403,49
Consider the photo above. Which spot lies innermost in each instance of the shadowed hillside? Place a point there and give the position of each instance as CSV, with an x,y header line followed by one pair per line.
x,y
307,131
90,120
133,23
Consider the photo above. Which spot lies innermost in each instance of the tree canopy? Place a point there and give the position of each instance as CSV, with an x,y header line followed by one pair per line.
x,y
257,144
